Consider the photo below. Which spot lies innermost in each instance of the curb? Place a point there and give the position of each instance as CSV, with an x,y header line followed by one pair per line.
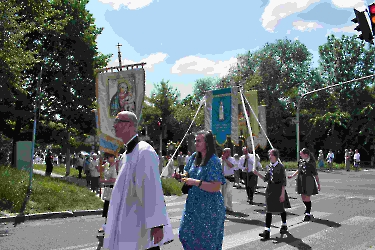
x,y
51,215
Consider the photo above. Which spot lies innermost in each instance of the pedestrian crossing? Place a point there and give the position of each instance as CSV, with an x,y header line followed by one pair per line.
x,y
241,232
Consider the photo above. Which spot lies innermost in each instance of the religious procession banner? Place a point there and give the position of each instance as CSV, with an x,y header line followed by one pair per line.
x,y
252,98
221,114
259,137
115,92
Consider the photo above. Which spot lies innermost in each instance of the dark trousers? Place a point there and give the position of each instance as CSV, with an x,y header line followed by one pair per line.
x,y
95,183
250,183
88,178
181,169
79,172
154,248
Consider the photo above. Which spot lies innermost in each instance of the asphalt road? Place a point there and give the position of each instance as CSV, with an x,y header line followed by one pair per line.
x,y
344,212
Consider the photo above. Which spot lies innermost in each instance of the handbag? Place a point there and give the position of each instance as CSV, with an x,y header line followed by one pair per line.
x,y
185,188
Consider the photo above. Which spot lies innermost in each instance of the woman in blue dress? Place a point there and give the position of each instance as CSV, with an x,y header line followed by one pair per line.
x,y
202,223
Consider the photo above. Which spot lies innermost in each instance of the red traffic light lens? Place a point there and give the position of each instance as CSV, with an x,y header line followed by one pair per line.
x,y
372,9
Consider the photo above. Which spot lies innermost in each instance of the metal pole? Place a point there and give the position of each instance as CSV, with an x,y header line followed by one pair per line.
x,y
297,125
314,91
34,128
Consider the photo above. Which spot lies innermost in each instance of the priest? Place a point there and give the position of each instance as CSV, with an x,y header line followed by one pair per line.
x,y
137,216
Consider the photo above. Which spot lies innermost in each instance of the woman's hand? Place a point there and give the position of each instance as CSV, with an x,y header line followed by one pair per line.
x,y
290,176
184,174
255,172
282,197
190,181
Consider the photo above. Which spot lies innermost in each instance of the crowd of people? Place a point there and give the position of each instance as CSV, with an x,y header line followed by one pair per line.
x,y
351,159
135,210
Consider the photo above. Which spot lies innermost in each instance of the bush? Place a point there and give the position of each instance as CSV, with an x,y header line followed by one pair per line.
x,y
171,186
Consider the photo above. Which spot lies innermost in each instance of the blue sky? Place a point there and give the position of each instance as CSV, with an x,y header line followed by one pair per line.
x,y
182,41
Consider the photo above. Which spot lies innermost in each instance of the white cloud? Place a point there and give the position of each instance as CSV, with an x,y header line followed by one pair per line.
x,y
199,65
306,26
346,29
131,4
150,61
279,9
349,3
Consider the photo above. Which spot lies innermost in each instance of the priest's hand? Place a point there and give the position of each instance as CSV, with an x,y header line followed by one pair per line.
x,y
157,234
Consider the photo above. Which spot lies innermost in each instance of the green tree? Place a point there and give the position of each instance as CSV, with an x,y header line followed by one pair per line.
x,y
61,36
163,100
279,72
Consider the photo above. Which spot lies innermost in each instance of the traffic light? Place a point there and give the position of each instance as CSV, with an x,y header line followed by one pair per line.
x,y
363,26
160,123
371,9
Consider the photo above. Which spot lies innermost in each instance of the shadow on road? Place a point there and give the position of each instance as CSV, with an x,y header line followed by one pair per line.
x,y
327,223
292,241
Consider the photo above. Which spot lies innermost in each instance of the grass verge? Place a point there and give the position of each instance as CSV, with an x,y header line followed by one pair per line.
x,y
48,194
171,186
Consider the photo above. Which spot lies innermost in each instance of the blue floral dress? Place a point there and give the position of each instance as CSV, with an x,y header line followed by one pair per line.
x,y
202,223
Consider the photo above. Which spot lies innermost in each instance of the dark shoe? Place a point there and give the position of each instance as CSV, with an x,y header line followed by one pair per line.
x,y
308,217
283,229
251,202
265,235
228,211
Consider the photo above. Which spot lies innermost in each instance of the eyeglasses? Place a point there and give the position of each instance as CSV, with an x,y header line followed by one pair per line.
x,y
119,120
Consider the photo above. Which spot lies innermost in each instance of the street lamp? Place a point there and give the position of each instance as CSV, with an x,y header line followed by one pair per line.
x,y
314,91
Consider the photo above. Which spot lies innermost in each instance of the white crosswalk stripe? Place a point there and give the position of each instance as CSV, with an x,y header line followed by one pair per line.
x,y
349,228
245,237
234,238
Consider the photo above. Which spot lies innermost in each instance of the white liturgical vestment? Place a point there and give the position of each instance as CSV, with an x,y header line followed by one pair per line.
x,y
137,203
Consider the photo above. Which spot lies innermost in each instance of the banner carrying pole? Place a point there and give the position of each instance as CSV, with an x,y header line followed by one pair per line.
x,y
250,132
196,113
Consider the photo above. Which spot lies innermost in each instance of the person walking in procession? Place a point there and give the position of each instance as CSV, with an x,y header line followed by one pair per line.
x,y
137,215
202,223
321,159
237,171
347,160
307,183
49,164
86,169
110,175
94,173
357,160
228,164
330,157
181,163
80,162
246,163
276,196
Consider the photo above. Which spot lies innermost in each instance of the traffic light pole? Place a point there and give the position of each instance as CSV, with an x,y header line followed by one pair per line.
x,y
314,91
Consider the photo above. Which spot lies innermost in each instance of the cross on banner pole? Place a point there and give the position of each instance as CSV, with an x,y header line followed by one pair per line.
x,y
119,55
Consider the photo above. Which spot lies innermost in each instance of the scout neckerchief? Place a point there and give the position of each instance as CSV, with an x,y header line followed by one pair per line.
x,y
303,162
270,170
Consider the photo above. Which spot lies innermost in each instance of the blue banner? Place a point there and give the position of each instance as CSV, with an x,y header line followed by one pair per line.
x,y
221,114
